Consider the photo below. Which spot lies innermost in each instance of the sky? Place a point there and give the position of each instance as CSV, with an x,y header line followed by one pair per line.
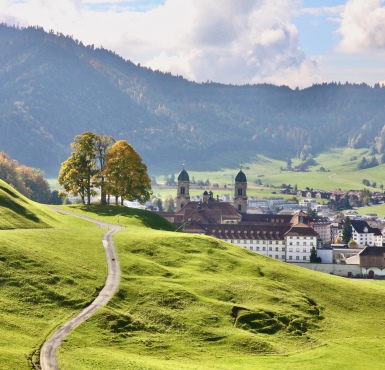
x,y
283,42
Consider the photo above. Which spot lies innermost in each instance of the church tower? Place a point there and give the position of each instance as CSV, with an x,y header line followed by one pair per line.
x,y
183,195
240,196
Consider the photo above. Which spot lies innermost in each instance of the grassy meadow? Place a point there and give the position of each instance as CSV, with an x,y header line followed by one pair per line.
x,y
184,302
192,302
51,265
341,172
18,212
46,276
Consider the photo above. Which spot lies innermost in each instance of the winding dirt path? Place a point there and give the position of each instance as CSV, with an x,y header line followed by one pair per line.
x,y
48,358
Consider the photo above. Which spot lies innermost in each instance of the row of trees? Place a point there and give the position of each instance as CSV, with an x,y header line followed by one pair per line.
x,y
365,163
97,161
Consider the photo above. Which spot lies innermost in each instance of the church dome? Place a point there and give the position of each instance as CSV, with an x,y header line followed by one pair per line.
x,y
183,176
241,177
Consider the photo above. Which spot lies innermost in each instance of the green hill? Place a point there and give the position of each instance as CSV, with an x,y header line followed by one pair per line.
x,y
51,266
184,302
192,302
18,212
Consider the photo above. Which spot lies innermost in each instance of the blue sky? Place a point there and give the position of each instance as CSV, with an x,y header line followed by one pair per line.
x,y
284,42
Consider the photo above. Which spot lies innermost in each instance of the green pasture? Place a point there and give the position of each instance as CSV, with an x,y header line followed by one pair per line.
x,y
124,216
18,212
185,301
47,276
341,171
378,208
192,302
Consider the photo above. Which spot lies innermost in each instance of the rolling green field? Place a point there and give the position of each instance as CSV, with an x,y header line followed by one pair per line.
x,y
184,302
341,172
46,277
191,302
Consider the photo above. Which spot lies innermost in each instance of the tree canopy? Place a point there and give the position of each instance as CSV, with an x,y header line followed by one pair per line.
x,y
347,231
116,170
27,180
126,175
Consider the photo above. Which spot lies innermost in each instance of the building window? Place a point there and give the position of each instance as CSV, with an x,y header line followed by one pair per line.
x,y
304,250
239,191
182,190
297,257
264,248
251,248
276,256
297,249
257,248
283,257
283,249
297,243
290,257
304,258
291,243
290,249
276,248
239,207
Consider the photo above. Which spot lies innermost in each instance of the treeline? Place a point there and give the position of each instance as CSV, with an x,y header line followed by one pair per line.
x,y
28,181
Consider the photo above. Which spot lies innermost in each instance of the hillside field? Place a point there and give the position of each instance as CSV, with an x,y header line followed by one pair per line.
x,y
192,302
184,302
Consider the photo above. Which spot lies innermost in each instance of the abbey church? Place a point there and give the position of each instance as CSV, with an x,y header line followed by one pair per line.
x,y
284,237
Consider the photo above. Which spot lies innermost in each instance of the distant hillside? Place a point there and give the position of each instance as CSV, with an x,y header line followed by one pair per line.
x,y
53,87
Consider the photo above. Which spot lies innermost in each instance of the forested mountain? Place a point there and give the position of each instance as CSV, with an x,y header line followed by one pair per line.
x,y
53,87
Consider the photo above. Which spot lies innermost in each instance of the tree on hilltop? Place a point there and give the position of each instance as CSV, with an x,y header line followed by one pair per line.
x,y
125,174
116,169
77,172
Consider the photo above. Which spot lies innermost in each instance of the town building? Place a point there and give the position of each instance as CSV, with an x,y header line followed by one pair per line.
x,y
284,237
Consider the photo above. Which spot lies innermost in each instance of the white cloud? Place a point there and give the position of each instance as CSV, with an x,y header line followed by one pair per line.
x,y
322,11
226,41
363,26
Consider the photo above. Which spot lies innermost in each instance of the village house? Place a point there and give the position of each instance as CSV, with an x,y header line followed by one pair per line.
x,y
364,234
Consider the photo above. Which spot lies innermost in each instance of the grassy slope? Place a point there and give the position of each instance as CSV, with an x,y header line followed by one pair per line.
x,y
174,309
18,212
124,216
46,275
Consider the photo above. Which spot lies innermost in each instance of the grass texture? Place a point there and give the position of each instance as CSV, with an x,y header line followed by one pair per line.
x,y
192,302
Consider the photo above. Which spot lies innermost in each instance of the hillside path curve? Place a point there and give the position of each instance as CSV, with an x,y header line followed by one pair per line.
x,y
48,357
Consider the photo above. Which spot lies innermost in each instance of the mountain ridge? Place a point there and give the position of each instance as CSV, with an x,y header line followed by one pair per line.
x,y
53,88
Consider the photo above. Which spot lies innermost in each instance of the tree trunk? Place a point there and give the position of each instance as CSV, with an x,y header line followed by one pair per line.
x,y
103,195
89,190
